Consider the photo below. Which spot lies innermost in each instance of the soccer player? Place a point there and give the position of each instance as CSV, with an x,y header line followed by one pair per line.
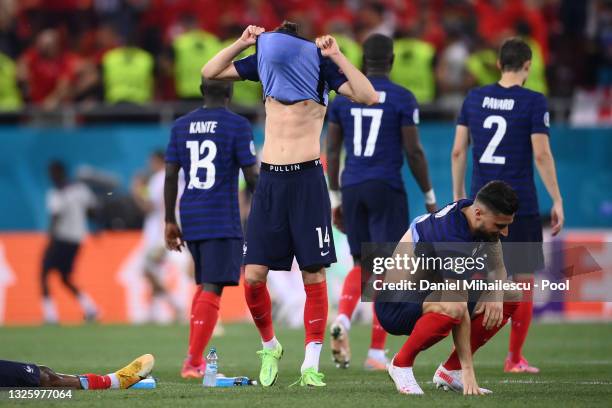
x,y
69,203
508,126
16,374
211,144
428,316
372,206
150,199
291,213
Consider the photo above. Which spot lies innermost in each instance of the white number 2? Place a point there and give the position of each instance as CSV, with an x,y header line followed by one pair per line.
x,y
322,238
488,157
358,114
207,149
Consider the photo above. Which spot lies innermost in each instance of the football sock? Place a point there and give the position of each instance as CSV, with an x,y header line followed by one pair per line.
x,y
270,344
192,310
351,291
312,352
258,299
376,354
49,310
379,335
521,320
428,330
87,304
206,313
315,312
97,382
479,335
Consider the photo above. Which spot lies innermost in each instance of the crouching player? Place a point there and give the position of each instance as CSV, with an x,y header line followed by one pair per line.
x,y
429,316
211,144
15,374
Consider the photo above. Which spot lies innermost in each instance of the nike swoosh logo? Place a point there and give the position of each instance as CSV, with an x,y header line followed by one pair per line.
x,y
324,253
312,321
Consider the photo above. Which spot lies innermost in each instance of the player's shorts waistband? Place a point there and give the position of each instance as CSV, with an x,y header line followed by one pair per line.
x,y
291,168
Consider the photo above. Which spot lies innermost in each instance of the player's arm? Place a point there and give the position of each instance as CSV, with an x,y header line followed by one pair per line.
x,y
418,164
173,235
221,66
459,161
251,175
492,303
545,163
461,339
334,147
358,87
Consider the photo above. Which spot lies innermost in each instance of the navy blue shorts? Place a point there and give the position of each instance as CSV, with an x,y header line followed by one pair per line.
x,y
373,211
290,216
60,255
15,374
524,253
217,260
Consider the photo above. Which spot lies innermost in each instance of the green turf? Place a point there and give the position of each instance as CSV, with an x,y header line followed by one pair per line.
x,y
576,363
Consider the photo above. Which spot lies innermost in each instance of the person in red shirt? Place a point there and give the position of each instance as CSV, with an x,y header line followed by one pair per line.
x,y
47,70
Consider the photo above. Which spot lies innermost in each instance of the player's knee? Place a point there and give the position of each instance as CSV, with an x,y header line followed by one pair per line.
x,y
254,274
314,269
316,274
456,310
213,288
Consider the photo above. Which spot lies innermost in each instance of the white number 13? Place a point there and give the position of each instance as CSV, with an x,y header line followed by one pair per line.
x,y
195,151
487,156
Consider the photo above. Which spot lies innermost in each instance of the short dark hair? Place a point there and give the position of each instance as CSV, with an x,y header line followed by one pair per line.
x,y
57,166
499,197
378,48
513,54
215,89
288,26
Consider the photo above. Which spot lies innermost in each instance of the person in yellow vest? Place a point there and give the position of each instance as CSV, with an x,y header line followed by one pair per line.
x,y
246,93
189,51
10,96
536,81
482,65
128,75
414,67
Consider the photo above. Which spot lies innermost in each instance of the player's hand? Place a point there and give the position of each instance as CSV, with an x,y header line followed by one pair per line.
x,y
174,237
470,386
493,313
338,218
328,45
250,34
431,208
556,217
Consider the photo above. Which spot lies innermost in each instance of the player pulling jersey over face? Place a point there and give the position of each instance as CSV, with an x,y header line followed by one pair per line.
x,y
290,211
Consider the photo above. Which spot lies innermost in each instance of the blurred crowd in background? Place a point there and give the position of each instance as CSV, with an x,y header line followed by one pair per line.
x,y
58,52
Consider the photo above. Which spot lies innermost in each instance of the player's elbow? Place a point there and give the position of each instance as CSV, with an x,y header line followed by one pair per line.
x,y
370,98
457,154
542,157
207,72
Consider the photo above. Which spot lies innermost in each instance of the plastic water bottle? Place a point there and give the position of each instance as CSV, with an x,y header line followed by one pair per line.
x,y
234,381
210,375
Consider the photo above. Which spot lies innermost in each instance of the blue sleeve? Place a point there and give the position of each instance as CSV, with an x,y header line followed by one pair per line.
x,y
409,110
172,154
540,118
331,74
333,114
245,147
463,114
247,68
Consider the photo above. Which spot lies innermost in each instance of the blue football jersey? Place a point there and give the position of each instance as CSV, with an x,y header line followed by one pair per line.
x,y
290,68
211,145
501,122
372,134
448,224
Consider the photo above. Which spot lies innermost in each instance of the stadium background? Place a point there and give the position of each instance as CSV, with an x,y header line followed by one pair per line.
x,y
104,119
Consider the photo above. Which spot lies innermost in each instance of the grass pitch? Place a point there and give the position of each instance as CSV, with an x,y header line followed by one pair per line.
x,y
575,359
